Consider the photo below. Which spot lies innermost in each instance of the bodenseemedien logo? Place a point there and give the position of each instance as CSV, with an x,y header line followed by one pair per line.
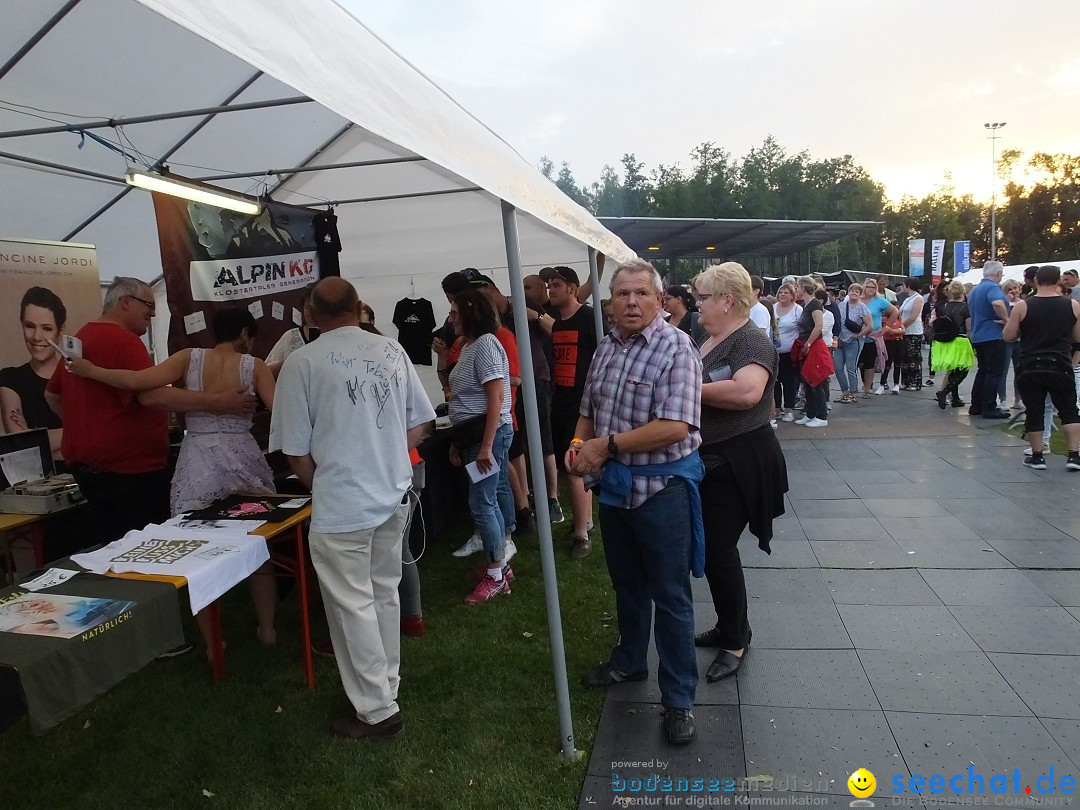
x,y
862,785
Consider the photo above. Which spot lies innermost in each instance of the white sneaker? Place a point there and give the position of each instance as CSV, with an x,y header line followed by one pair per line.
x,y
772,424
879,390
816,423
787,417
802,420
511,550
471,546
896,389
1027,451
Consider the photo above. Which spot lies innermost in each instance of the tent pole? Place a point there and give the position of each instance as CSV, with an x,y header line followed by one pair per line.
x,y
594,281
536,467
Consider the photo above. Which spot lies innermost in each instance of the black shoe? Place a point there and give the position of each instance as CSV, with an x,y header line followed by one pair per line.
x,y
940,396
354,728
996,415
1036,461
958,403
607,676
725,665
524,523
679,726
710,638
1073,462
929,382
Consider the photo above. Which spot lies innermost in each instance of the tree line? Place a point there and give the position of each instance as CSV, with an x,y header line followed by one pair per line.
x,y
1038,211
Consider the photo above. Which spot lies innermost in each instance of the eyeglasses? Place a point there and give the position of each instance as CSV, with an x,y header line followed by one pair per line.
x,y
150,304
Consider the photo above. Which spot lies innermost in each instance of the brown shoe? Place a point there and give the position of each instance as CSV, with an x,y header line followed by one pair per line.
x,y
581,548
353,727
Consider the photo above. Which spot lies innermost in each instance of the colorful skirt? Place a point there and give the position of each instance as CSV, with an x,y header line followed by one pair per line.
x,y
956,354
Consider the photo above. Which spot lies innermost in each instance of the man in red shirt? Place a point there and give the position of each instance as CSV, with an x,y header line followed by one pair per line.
x,y
117,442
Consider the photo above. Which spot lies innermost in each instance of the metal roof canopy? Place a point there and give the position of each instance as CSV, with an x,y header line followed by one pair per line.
x,y
687,238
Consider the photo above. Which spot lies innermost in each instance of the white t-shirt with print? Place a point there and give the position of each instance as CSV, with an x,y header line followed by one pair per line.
x,y
348,399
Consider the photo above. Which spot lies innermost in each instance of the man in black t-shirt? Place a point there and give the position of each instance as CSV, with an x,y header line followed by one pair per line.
x,y
573,338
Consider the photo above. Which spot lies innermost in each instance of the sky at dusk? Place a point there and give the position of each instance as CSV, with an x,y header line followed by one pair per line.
x,y
903,87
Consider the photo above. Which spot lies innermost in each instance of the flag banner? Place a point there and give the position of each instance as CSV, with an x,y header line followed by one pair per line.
x,y
212,258
961,257
916,257
937,258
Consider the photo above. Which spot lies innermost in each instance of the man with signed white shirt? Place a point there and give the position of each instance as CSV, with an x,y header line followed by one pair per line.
x,y
347,410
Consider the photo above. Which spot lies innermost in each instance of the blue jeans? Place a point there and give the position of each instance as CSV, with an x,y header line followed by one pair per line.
x,y
648,559
490,500
847,365
1012,358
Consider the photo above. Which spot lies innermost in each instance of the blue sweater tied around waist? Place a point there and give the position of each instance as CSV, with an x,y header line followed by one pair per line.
x,y
616,480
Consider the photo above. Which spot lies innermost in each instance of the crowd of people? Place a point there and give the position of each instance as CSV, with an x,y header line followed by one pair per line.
x,y
668,418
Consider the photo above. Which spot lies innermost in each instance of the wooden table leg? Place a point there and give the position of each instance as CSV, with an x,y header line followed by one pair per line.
x,y
305,623
217,647
37,540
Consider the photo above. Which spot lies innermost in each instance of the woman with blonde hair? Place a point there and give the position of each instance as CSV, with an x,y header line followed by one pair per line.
x,y
745,474
952,352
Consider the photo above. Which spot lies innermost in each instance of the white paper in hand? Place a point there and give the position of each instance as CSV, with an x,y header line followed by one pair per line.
x,y
474,472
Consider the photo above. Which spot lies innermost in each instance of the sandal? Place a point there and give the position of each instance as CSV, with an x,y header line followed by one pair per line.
x,y
867,395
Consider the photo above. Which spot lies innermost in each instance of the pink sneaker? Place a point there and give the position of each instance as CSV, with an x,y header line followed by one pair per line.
x,y
487,590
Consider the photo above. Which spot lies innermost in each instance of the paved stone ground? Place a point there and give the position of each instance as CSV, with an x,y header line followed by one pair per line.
x,y
920,614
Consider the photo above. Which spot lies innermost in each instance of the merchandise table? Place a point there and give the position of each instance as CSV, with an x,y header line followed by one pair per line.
x,y
274,533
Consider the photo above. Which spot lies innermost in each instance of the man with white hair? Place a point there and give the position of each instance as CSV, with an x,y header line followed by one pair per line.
x,y
989,314
637,443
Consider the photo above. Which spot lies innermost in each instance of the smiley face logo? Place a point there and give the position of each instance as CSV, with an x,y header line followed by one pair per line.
x,y
862,783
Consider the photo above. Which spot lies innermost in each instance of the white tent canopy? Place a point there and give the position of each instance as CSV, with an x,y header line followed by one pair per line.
x,y
1014,271
314,88
118,59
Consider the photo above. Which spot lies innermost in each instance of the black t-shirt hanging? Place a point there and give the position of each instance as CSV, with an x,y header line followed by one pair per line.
x,y
415,320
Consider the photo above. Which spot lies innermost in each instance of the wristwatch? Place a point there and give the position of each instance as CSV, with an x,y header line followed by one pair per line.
x,y
612,448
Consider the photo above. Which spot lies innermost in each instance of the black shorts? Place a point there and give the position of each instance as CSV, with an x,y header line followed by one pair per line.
x,y
1034,388
520,444
868,356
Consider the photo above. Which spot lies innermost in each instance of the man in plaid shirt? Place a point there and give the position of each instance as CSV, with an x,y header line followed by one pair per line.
x,y
639,421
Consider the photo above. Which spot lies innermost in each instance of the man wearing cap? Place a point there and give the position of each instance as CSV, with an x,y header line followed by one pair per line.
x,y
573,336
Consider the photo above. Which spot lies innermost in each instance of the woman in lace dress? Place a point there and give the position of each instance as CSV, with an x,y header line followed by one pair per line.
x,y
219,456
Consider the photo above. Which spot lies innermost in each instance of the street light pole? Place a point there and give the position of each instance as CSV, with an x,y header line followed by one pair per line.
x,y
993,185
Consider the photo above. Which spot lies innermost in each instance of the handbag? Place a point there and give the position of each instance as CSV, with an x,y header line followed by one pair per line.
x,y
467,433
852,326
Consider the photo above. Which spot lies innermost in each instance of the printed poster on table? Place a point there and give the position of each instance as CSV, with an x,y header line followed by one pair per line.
x,y
48,290
58,616
212,258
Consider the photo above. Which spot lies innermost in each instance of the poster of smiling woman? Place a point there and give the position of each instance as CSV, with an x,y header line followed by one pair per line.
x,y
47,290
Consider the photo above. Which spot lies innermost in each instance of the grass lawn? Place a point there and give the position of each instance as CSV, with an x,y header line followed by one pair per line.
x,y
1057,436
481,728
